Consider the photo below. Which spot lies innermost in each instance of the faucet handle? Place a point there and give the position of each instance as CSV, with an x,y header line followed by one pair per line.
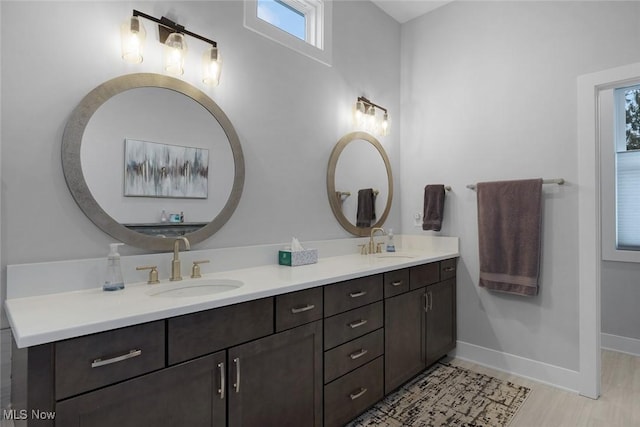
x,y
195,270
363,249
379,247
153,273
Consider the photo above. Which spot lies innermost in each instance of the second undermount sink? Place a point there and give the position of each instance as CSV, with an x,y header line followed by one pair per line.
x,y
194,288
394,255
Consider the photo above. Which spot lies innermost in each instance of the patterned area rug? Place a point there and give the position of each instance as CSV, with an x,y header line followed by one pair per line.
x,y
448,395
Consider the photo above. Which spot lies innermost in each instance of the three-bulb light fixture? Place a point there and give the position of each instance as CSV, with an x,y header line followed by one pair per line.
x,y
172,35
365,116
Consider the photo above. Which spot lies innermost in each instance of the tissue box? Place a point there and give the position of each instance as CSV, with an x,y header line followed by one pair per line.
x,y
307,256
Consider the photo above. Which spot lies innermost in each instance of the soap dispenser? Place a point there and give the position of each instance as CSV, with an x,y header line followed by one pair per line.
x,y
391,246
113,280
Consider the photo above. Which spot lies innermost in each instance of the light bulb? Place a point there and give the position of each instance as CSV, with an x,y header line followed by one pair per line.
x,y
175,51
384,127
371,118
211,66
358,114
132,37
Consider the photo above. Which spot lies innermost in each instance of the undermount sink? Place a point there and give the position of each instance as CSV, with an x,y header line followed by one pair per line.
x,y
195,288
395,255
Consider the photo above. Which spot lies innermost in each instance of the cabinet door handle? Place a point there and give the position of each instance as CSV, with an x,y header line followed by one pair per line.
x,y
296,310
360,392
357,294
236,385
222,385
357,324
426,301
102,362
449,269
398,283
430,300
358,354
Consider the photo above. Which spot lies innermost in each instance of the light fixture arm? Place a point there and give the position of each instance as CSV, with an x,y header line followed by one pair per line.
x,y
366,101
165,24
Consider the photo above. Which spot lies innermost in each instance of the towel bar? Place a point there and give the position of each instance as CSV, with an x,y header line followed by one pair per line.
x,y
559,181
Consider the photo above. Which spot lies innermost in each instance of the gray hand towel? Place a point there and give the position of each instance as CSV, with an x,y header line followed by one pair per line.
x,y
366,211
509,226
433,208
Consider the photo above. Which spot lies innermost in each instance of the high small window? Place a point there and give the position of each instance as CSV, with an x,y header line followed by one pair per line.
x,y
627,140
302,25
283,16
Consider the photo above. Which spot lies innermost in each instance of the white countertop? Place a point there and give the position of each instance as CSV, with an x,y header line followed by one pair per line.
x,y
42,319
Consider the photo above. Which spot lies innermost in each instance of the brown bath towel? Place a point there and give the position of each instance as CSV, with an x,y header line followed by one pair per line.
x,y
366,211
433,207
509,226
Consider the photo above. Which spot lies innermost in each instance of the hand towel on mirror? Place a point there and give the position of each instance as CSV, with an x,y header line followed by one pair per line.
x,y
366,211
509,235
433,208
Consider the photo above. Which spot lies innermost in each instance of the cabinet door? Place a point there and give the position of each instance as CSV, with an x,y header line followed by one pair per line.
x,y
188,394
404,337
277,380
441,320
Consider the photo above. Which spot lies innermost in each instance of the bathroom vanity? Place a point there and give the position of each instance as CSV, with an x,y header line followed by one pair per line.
x,y
317,353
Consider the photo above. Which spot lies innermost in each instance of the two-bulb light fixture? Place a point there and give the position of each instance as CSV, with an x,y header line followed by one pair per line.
x,y
172,35
365,116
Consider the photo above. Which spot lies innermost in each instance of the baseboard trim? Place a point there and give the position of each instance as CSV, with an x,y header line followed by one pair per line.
x,y
620,344
527,368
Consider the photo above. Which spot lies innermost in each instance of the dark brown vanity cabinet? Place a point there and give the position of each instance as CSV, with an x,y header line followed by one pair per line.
x,y
315,357
420,324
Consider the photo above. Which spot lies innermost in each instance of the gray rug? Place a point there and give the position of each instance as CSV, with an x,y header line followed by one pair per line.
x,y
447,395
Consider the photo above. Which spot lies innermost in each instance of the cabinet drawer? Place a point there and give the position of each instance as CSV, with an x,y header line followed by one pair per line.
x,y
349,396
448,268
208,331
297,308
423,275
352,324
354,293
93,361
353,354
396,282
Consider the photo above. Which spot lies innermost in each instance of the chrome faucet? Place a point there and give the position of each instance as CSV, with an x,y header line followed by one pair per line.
x,y
175,264
372,243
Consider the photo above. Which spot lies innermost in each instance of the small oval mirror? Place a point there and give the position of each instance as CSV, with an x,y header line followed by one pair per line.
x,y
358,168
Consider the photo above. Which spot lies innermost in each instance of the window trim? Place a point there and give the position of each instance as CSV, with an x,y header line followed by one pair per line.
x,y
608,127
318,14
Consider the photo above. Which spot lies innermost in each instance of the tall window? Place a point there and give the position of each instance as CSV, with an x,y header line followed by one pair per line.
x,y
301,25
627,140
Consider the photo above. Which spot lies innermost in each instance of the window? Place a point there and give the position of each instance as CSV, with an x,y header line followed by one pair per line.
x,y
627,167
301,25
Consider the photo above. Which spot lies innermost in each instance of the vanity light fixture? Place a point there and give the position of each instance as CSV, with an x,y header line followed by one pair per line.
x,y
172,35
365,116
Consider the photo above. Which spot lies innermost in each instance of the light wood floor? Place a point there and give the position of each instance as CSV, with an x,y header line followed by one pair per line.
x,y
546,406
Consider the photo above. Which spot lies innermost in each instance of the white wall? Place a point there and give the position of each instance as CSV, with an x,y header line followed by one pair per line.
x,y
489,93
288,110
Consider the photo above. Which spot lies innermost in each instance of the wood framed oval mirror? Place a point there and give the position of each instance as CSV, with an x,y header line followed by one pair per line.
x,y
141,144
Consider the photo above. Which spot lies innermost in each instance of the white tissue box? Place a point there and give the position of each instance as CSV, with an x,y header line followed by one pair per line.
x,y
294,258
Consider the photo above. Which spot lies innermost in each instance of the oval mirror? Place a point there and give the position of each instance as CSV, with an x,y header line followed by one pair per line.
x,y
359,183
149,158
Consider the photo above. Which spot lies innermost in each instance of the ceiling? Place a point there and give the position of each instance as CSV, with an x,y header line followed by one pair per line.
x,y
405,10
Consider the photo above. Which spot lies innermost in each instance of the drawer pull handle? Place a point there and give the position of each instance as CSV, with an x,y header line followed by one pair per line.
x,y
222,385
357,324
357,294
236,386
398,283
449,269
358,354
100,362
296,310
360,393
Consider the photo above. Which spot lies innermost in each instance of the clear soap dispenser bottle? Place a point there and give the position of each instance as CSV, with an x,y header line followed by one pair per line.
x,y
113,280
391,246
